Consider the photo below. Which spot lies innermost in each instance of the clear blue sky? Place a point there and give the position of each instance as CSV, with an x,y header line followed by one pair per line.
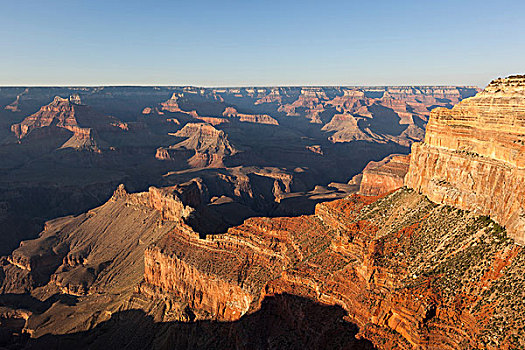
x,y
265,42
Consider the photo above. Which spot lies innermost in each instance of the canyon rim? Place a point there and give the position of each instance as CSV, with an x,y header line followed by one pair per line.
x,y
277,175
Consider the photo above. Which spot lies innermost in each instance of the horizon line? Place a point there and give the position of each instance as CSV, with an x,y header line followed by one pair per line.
x,y
239,86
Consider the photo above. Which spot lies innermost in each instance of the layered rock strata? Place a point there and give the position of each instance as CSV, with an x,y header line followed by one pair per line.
x,y
71,115
385,176
60,112
210,145
74,252
473,156
232,112
411,274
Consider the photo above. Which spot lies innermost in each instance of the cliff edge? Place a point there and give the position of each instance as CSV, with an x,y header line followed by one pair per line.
x,y
473,157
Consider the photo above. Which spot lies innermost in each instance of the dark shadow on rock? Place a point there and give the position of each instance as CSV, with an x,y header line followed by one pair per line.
x,y
384,121
350,158
284,322
32,304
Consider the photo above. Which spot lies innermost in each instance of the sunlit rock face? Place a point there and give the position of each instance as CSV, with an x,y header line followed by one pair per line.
x,y
70,114
210,145
60,112
249,118
407,271
473,156
384,176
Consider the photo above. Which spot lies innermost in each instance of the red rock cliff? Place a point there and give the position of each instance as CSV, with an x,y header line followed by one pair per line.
x,y
473,156
384,176
403,275
412,274
60,112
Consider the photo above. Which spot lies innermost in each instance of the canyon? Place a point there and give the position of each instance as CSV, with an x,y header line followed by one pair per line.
x,y
241,222
406,269
64,150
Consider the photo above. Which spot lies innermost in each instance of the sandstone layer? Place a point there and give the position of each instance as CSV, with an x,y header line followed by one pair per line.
x,y
385,176
473,156
70,114
250,118
210,145
60,112
410,273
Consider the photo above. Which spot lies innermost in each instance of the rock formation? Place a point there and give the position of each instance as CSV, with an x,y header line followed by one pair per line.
x,y
473,156
14,106
82,139
202,105
209,144
212,120
411,271
345,128
71,115
60,112
406,271
172,105
315,149
392,264
387,175
73,252
383,114
231,112
347,114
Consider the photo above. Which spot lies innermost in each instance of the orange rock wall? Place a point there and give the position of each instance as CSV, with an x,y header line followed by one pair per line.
x,y
166,273
474,155
384,176
391,264
164,200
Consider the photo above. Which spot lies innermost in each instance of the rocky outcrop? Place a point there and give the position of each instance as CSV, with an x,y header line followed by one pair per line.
x,y
231,112
385,176
70,114
188,102
167,272
394,264
210,145
60,112
83,139
317,149
212,120
310,101
345,128
163,153
165,200
405,270
14,106
473,156
72,253
150,110
75,99
172,104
